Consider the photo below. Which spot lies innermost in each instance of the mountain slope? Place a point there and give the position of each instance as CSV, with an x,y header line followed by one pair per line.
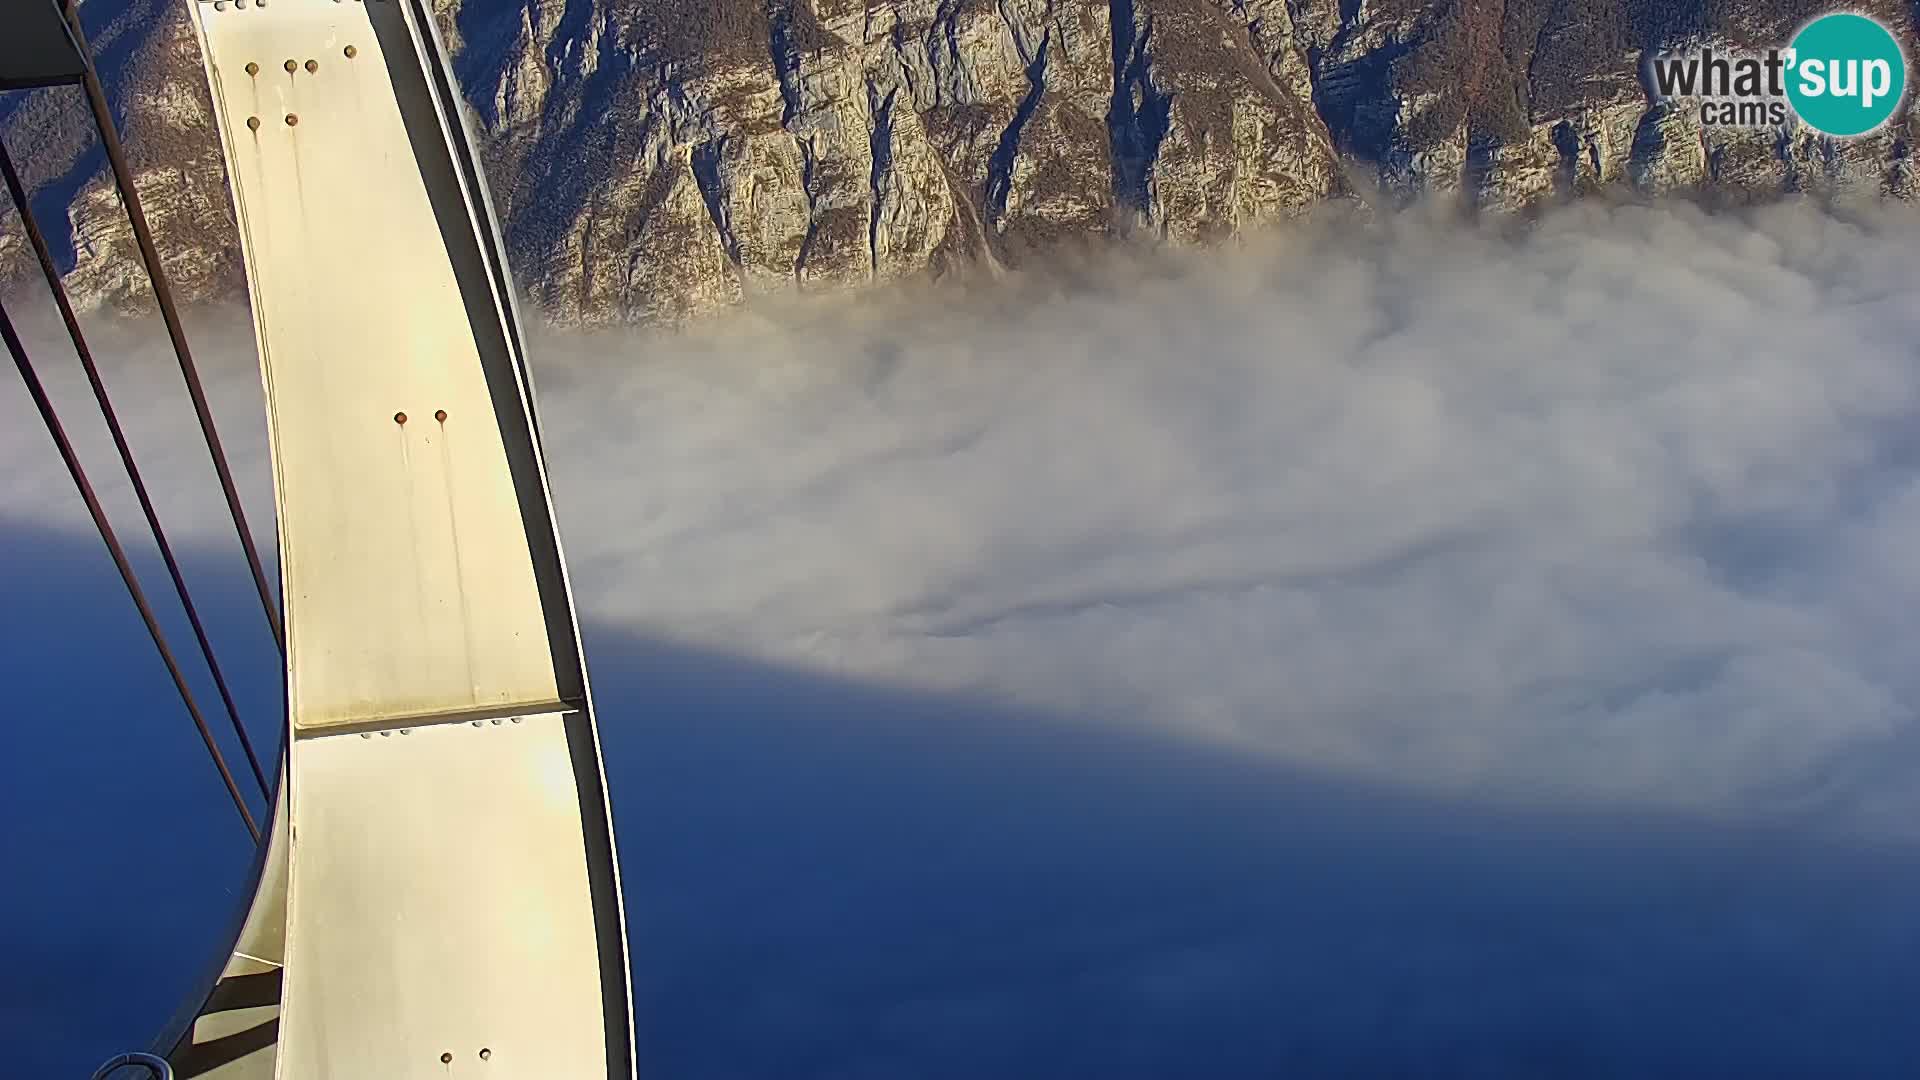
x,y
655,160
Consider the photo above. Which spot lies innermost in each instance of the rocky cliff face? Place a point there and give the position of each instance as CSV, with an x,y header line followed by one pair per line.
x,y
756,146
654,159
148,58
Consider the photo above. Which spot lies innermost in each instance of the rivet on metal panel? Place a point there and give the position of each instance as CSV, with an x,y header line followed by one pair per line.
x,y
496,721
366,734
253,68
253,123
440,415
291,66
399,418
352,52
406,731
386,734
220,5
239,5
292,119
516,719
485,1053
479,723
446,1058
313,66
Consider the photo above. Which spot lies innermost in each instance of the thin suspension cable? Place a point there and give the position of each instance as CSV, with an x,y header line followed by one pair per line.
x,y
52,420
163,293
54,285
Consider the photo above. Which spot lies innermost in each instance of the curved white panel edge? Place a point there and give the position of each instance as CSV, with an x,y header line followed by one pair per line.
x,y
449,883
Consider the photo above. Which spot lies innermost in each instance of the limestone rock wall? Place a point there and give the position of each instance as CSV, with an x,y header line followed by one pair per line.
x,y
656,159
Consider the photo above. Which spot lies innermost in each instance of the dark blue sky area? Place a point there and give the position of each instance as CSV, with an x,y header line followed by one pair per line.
x,y
834,880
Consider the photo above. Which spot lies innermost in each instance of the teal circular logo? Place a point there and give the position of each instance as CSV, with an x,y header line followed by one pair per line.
x,y
1847,74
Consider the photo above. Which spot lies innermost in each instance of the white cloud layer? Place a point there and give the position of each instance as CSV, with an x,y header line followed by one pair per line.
x,y
1623,507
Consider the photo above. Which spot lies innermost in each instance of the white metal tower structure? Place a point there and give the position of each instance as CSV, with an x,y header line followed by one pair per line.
x,y
438,894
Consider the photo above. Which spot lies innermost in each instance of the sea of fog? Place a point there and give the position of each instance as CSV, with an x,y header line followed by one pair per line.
x,y
1412,648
